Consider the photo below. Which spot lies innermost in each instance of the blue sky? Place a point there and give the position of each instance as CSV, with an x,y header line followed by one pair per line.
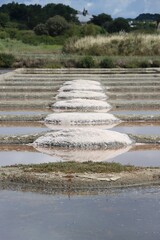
x,y
116,8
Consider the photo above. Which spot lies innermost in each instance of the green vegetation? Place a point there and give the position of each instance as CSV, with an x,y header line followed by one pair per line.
x,y
106,63
75,167
6,60
119,45
86,62
52,36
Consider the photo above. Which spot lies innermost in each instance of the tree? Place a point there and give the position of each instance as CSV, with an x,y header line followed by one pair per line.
x,y
119,24
91,30
4,19
56,25
41,29
101,19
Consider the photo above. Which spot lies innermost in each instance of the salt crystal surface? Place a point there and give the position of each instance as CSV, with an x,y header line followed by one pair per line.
x,y
78,118
78,103
82,155
81,87
81,94
82,81
67,126
84,138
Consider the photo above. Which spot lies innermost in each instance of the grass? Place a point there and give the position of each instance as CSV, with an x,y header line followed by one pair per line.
x,y
75,167
124,45
52,56
16,47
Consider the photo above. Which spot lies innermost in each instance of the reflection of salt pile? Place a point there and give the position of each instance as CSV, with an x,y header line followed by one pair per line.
x,y
81,94
77,118
82,155
84,138
79,103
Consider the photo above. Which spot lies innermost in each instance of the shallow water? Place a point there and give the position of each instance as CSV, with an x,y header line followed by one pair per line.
x,y
12,157
143,155
142,158
120,214
2,71
21,130
22,112
141,128
140,112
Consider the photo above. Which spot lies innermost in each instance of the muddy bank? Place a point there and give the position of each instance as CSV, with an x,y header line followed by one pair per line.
x,y
17,179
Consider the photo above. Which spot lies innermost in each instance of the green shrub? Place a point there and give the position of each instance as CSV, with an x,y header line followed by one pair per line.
x,y
155,63
29,37
91,30
6,60
56,25
107,63
4,35
41,29
144,64
86,62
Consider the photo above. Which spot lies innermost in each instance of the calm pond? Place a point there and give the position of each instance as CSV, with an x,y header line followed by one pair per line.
x,y
117,215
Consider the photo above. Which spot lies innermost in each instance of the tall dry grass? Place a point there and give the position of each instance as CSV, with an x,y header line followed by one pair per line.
x,y
127,44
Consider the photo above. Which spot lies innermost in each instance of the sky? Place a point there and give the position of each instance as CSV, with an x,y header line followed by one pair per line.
x,y
116,8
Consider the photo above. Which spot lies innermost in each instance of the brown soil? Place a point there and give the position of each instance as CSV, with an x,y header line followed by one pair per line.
x,y
17,179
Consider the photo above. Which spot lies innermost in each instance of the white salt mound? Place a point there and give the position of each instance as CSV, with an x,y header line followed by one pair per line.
x,y
78,103
82,81
82,155
84,138
81,94
81,87
78,118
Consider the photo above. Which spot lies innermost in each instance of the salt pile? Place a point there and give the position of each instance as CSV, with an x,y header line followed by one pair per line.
x,y
81,94
81,87
83,155
84,96
78,118
81,82
79,103
84,138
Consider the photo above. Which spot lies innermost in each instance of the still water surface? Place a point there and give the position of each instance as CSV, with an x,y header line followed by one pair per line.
x,y
118,215
137,156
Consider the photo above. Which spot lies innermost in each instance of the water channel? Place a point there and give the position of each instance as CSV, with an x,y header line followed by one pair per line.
x,y
117,214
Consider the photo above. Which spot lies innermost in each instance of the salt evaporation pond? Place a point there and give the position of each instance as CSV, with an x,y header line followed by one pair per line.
x,y
147,158
141,130
144,157
119,214
140,112
24,112
8,158
21,130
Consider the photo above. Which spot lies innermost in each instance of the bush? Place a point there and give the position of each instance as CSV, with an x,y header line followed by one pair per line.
x,y
155,63
106,63
41,29
4,35
29,37
91,30
6,60
86,62
144,64
56,25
